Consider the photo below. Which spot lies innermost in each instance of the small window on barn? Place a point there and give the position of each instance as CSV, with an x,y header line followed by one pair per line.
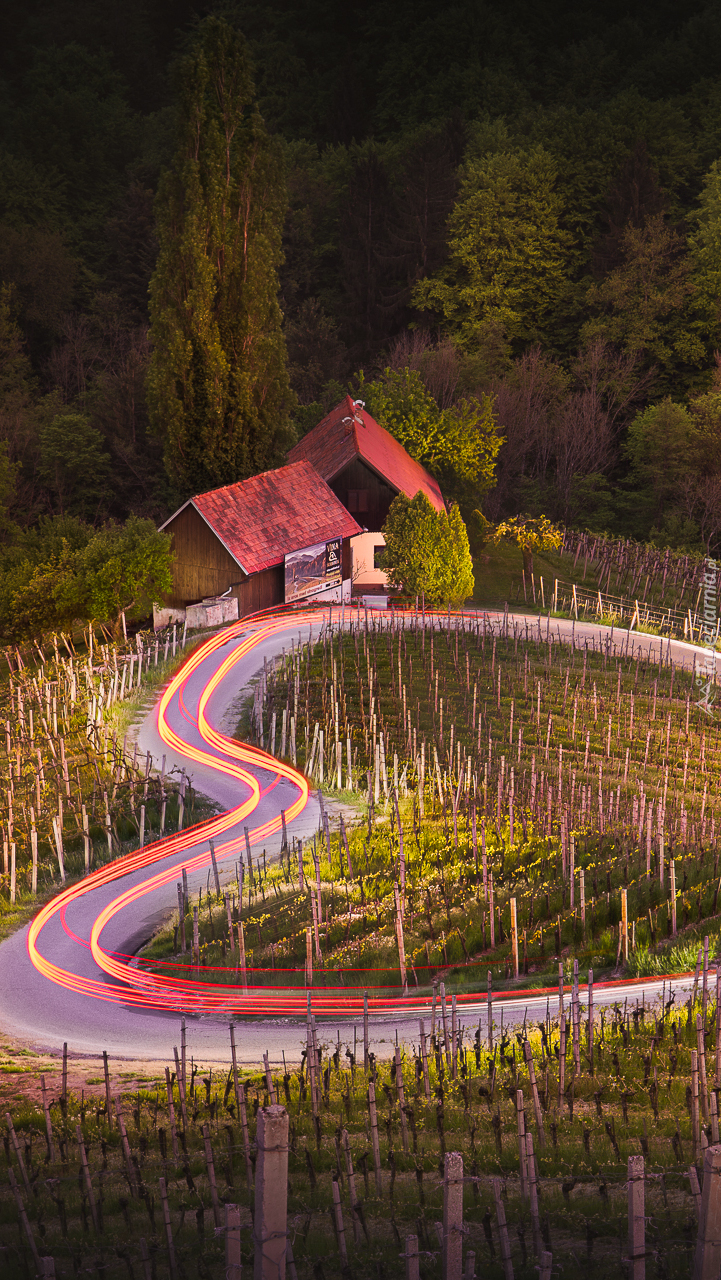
x,y
362,499
377,554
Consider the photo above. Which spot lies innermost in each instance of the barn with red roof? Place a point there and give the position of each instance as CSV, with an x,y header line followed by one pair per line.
x,y
366,468
311,529
231,544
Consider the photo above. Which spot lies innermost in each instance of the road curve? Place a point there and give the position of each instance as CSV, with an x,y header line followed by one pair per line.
x,y
66,978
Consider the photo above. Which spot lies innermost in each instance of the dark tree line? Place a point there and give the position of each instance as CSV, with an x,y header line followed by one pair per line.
x,y
418,153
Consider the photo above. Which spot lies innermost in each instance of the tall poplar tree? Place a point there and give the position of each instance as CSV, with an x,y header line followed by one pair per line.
x,y
218,387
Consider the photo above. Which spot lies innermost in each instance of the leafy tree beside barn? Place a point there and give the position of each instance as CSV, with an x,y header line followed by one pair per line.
x,y
427,552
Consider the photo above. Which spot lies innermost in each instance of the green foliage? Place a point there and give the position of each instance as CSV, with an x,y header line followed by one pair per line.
x,y
73,464
8,477
705,245
458,582
647,304
646,962
531,533
461,441
664,450
39,267
123,569
217,385
673,491
64,572
75,120
427,551
591,502
507,251
29,194
516,185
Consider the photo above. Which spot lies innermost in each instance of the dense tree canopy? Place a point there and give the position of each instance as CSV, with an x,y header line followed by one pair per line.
x,y
458,444
514,211
507,252
62,573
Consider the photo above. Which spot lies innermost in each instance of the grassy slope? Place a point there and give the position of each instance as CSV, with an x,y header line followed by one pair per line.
x,y
497,573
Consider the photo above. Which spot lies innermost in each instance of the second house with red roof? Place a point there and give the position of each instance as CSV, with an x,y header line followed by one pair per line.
x,y
366,468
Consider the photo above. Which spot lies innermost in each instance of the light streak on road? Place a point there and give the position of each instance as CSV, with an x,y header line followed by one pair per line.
x,y
236,760
162,862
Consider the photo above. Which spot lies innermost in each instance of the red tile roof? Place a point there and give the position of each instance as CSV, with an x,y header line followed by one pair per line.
x,y
259,520
349,432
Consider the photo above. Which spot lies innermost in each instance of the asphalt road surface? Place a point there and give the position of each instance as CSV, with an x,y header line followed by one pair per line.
x,y
43,1014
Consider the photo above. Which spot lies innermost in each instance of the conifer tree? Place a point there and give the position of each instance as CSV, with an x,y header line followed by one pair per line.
x,y
217,386
427,551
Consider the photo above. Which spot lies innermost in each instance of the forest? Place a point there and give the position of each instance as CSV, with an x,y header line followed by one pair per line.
x,y
498,225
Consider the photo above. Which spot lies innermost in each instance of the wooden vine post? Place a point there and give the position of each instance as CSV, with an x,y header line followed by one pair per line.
x,y
695,1119
624,924
374,1137
401,940
514,937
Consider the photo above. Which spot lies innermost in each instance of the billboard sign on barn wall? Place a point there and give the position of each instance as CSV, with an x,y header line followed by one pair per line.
x,y
312,570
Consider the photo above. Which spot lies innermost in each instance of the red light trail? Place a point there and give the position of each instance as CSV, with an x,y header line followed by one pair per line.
x,y
161,863
126,985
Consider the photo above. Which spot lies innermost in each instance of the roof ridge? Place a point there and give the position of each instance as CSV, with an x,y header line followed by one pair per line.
x,y
334,441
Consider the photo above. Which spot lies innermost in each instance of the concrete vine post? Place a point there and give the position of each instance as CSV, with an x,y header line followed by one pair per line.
x,y
412,1258
270,1225
232,1242
453,1216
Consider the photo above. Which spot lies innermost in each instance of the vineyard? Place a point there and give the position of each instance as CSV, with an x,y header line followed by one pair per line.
x,y
75,796
633,570
527,800
622,583
504,805
499,1154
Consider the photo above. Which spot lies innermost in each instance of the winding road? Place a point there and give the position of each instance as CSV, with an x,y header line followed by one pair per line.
x,y
66,976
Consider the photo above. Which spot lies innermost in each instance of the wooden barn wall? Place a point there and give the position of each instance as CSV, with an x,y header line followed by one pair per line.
x,y
260,590
201,565
380,495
